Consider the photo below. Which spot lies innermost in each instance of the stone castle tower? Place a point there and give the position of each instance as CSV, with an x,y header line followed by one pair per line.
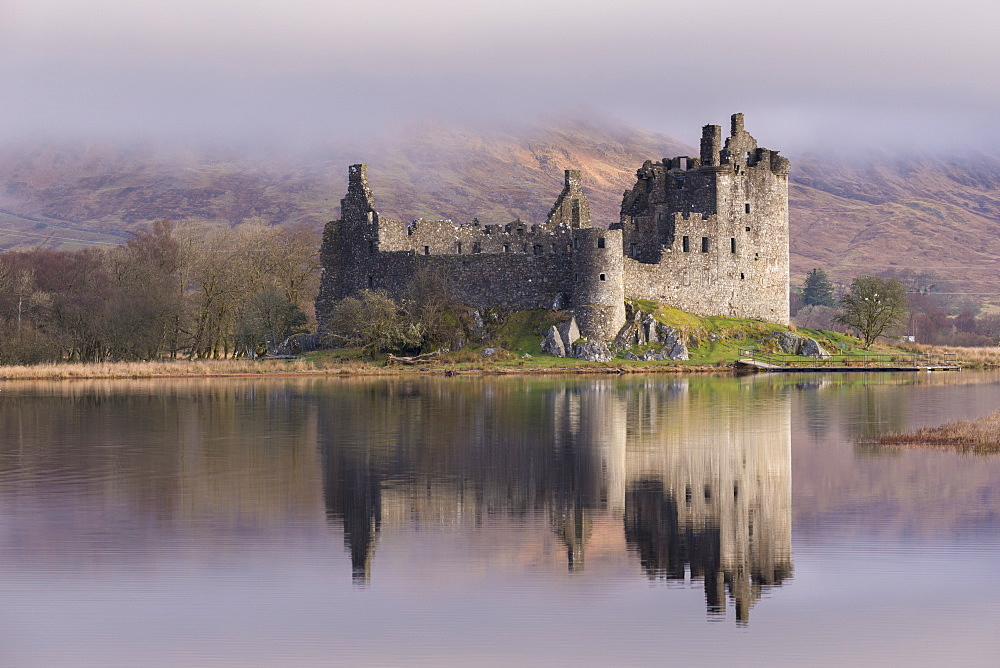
x,y
707,235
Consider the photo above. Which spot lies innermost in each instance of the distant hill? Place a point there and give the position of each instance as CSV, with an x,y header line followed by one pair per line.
x,y
848,216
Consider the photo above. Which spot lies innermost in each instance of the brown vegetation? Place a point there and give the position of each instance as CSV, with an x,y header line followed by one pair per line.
x,y
866,214
977,358
186,368
192,291
980,435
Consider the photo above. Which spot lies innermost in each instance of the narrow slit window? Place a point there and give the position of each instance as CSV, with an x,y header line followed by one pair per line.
x,y
704,244
458,247
600,242
686,245
477,247
732,244
371,247
748,207
371,281
604,277
427,250
506,248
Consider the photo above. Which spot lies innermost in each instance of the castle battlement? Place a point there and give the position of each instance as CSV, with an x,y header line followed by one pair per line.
x,y
707,235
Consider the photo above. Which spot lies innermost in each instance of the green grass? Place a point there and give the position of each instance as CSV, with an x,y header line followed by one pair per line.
x,y
712,341
717,340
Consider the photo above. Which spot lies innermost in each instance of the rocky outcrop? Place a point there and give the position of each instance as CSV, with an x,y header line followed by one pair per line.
x,y
811,348
793,344
564,340
677,352
642,329
593,351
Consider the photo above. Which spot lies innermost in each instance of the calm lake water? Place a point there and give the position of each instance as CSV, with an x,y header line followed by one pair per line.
x,y
527,521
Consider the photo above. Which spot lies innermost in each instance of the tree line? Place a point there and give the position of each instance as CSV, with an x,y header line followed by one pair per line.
x,y
917,304
194,291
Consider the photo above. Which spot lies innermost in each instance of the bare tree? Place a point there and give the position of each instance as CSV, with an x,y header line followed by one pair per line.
x,y
873,306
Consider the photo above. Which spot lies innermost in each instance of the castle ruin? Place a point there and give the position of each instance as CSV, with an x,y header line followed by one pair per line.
x,y
707,235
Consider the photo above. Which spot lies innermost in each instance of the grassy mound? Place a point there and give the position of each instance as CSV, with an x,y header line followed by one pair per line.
x,y
514,340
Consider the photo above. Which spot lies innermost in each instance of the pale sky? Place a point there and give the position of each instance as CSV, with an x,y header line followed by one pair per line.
x,y
850,73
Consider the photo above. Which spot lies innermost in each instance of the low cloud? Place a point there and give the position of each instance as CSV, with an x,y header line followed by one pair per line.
x,y
853,74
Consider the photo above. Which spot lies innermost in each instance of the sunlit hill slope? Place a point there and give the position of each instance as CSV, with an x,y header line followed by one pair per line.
x,y
847,216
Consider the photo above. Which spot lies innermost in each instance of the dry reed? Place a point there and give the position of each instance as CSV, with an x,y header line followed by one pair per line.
x,y
982,358
301,367
182,368
979,435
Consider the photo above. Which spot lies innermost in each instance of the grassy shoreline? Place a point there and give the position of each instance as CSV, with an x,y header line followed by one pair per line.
x,y
307,367
349,363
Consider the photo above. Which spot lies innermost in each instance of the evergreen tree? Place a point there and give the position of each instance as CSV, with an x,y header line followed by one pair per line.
x,y
818,290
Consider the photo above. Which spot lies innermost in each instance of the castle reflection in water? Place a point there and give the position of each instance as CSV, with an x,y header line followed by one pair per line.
x,y
697,478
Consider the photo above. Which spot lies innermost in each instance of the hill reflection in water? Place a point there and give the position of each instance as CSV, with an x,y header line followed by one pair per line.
x,y
695,476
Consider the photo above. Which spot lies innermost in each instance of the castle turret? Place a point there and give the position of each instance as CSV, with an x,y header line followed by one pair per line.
x,y
598,282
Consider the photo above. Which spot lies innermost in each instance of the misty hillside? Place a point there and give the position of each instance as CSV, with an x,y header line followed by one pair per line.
x,y
938,213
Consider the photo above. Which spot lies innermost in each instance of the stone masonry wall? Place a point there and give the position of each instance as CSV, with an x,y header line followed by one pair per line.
x,y
707,235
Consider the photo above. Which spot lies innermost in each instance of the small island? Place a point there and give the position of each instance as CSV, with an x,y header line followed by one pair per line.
x,y
979,435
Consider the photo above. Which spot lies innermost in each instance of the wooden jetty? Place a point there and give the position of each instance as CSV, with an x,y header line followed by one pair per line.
x,y
753,360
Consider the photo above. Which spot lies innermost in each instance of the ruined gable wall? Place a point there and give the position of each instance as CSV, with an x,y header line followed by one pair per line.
x,y
572,207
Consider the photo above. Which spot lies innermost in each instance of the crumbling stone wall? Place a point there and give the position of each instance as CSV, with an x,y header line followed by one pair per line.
x,y
514,265
707,235
710,236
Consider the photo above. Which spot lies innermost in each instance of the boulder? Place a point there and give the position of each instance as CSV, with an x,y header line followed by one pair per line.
x,y
678,352
593,351
811,348
553,343
489,352
787,342
647,329
628,335
570,332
